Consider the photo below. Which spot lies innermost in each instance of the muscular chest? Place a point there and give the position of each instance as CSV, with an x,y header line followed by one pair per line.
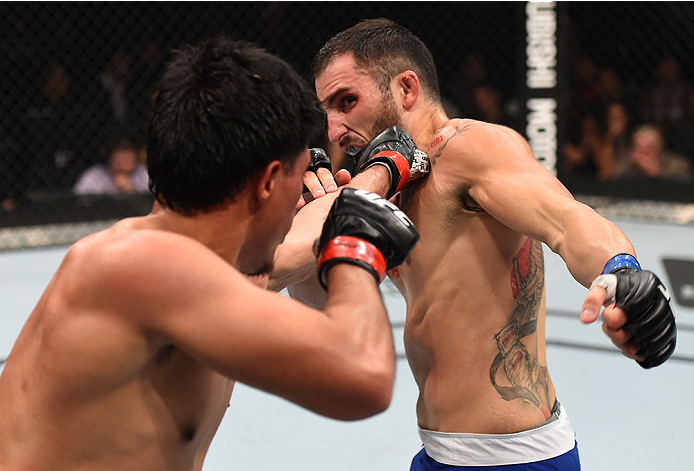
x,y
442,224
461,247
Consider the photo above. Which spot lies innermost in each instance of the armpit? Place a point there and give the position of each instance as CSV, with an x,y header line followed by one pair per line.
x,y
468,203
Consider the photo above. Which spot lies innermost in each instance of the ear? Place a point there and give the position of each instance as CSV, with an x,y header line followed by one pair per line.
x,y
408,88
267,181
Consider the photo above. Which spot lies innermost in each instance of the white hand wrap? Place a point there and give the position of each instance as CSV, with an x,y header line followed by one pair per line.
x,y
420,165
609,282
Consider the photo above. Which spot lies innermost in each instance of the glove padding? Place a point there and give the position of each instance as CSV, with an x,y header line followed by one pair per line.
x,y
396,150
364,229
319,159
650,319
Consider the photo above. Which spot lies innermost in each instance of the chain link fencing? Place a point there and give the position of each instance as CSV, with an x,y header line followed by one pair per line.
x,y
77,79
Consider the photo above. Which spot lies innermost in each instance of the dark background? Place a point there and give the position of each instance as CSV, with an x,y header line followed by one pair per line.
x,y
45,145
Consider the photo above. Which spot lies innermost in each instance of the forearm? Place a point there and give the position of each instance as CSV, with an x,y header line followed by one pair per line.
x,y
375,179
354,370
587,242
363,317
294,259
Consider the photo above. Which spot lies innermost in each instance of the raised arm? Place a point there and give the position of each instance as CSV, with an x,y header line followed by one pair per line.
x,y
295,258
338,362
501,174
389,161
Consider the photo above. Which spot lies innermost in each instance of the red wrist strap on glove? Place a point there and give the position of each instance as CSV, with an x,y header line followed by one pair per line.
x,y
388,158
350,249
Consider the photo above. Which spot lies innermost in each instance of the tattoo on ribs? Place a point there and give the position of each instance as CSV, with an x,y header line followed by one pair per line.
x,y
516,372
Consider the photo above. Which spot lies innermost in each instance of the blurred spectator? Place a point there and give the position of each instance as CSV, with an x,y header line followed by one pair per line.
x,y
680,137
648,157
471,73
613,151
487,105
145,75
664,103
115,81
122,173
148,68
581,150
609,89
598,89
51,134
584,87
12,178
114,97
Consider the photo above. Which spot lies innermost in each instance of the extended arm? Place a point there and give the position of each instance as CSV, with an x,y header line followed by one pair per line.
x,y
295,259
505,179
389,161
497,166
338,362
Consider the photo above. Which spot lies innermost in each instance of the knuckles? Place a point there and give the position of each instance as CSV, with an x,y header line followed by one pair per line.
x,y
650,319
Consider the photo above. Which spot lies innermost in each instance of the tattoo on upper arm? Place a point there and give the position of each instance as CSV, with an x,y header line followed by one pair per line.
x,y
516,372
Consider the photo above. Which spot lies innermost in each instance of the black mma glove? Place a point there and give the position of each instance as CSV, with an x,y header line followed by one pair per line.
x,y
364,229
646,302
395,149
319,159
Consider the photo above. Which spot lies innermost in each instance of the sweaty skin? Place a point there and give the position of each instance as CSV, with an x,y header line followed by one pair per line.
x,y
129,358
474,284
478,360
475,329
135,401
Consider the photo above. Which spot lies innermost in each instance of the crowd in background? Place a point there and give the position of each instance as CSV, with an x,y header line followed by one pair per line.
x,y
71,132
72,107
620,132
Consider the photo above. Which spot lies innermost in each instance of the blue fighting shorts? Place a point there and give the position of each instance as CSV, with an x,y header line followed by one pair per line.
x,y
550,446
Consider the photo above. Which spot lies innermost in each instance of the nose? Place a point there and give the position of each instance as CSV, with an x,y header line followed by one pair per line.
x,y
336,128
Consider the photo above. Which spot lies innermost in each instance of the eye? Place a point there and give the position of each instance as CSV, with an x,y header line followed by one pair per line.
x,y
347,103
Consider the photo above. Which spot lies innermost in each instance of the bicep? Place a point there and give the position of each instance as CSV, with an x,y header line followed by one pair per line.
x,y
334,362
527,199
514,188
499,171
186,296
181,294
242,331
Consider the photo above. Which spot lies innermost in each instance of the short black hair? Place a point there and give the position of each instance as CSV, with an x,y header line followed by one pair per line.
x,y
384,49
225,109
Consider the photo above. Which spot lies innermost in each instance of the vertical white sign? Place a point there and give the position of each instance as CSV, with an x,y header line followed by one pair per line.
x,y
541,80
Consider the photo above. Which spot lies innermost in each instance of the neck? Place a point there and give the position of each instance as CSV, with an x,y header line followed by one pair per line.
x,y
222,229
423,122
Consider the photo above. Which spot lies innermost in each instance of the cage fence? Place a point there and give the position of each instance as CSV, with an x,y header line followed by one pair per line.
x,y
78,78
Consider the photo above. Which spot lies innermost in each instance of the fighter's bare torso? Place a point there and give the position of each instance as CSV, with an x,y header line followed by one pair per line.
x,y
474,334
156,408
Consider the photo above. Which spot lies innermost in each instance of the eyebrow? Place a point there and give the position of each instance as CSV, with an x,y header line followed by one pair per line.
x,y
328,101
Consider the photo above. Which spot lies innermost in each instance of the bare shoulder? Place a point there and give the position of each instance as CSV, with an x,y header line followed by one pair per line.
x,y
131,250
140,267
473,134
476,146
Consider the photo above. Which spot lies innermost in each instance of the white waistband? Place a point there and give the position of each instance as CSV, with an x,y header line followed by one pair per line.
x,y
551,439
